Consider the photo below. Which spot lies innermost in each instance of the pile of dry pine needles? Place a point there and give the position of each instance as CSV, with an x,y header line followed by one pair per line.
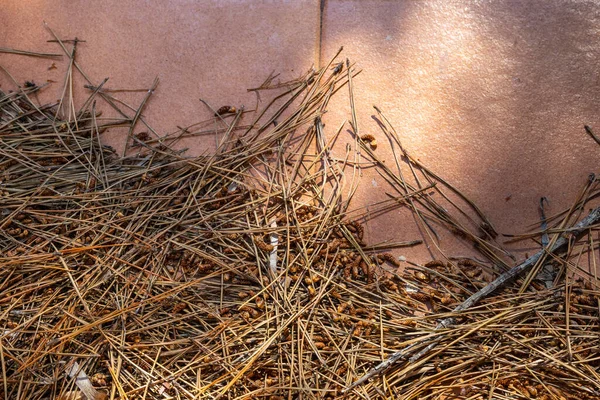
x,y
245,274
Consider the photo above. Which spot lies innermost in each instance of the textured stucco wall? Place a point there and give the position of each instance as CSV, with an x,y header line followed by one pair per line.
x,y
493,95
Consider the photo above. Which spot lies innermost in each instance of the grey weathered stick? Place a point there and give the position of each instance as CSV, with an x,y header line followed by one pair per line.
x,y
502,280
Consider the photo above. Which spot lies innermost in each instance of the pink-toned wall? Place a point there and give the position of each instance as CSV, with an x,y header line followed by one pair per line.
x,y
491,94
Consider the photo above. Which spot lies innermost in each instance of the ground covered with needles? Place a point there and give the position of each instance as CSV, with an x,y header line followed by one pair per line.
x,y
245,273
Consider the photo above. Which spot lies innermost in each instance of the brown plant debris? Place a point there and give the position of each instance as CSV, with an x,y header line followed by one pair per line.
x,y
245,274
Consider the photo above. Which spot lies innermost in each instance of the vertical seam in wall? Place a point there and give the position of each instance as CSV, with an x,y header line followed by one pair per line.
x,y
321,10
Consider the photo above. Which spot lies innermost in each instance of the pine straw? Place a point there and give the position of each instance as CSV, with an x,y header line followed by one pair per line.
x,y
244,274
